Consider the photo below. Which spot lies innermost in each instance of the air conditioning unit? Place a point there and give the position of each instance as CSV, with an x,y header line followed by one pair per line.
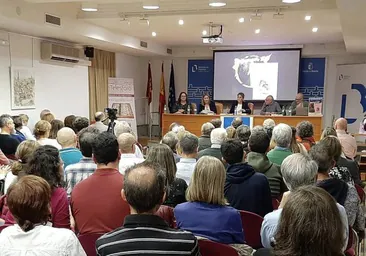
x,y
63,54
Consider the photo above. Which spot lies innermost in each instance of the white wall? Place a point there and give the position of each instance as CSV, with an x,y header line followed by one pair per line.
x,y
62,89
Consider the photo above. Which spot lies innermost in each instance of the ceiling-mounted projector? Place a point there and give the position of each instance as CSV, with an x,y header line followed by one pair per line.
x,y
214,37
213,40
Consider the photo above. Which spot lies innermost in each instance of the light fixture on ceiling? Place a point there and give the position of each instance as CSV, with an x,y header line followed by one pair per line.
x,y
217,3
315,29
204,32
151,4
89,7
278,15
144,21
291,1
256,16
257,31
153,34
181,22
308,17
241,20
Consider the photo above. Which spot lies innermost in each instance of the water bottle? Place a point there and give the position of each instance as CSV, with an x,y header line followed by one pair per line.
x,y
283,111
290,111
189,109
195,111
165,109
236,111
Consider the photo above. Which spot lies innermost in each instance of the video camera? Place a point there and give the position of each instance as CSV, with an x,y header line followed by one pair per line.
x,y
112,115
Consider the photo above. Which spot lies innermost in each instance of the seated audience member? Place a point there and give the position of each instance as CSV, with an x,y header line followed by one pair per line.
x,y
25,129
305,133
295,146
243,133
270,106
230,131
302,229
66,137
236,122
80,123
346,195
3,159
205,141
268,125
29,201
328,131
348,142
171,139
127,144
56,125
99,118
182,105
172,125
281,136
216,122
69,120
42,132
178,129
8,144
206,213
95,202
75,173
207,105
176,192
297,170
188,147
17,134
44,112
241,106
49,117
218,136
244,188
123,127
142,231
24,153
258,147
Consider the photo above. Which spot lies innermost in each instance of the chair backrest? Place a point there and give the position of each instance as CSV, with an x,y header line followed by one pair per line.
x,y
87,241
167,213
275,203
252,224
219,108
194,107
360,192
209,248
251,107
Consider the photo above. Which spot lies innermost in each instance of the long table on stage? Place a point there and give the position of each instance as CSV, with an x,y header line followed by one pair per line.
x,y
193,123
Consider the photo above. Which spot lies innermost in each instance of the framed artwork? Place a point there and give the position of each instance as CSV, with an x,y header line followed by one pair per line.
x,y
23,88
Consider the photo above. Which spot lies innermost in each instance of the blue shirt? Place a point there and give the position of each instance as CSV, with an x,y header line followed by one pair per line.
x,y
70,156
217,223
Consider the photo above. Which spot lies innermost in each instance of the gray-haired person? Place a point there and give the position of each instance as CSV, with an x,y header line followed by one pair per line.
x,y
205,140
282,137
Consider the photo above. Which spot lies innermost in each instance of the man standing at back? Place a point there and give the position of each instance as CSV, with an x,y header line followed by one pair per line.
x,y
95,202
348,142
188,147
144,233
69,154
99,118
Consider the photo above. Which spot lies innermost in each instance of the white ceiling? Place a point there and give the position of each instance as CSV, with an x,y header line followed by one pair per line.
x,y
336,20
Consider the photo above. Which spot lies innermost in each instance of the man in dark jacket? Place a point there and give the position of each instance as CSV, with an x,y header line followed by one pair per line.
x,y
205,141
244,188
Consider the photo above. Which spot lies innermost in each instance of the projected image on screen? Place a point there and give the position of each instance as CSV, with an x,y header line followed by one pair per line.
x,y
257,74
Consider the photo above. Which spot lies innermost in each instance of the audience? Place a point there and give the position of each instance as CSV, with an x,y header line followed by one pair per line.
x,y
66,137
123,127
188,146
243,133
75,173
29,201
172,125
95,202
295,146
305,133
42,133
69,120
18,125
236,122
348,142
231,132
56,125
49,117
8,144
244,188
218,136
127,144
43,113
99,118
25,129
268,125
171,140
281,136
206,213
217,123
80,123
205,140
258,146
3,159
142,231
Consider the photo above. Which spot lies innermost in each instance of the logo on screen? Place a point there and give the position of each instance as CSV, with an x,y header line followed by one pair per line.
x,y
194,68
310,66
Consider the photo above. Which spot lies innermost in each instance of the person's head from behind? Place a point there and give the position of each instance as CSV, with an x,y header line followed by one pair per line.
x,y
207,183
269,100
144,188
268,125
121,127
310,224
99,117
106,151
188,145
179,129
163,155
321,155
67,138
87,137
25,119
24,153
126,142
49,117
42,129
218,136
305,130
259,140
171,140
243,133
172,125
205,100
46,163
216,122
328,131
29,202
69,120
341,124
231,132
56,125
236,122
282,135
206,129
232,151
6,124
80,123
18,123
240,97
298,170
44,112
333,145
182,98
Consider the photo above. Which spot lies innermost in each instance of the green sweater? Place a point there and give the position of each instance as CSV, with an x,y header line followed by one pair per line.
x,y
277,155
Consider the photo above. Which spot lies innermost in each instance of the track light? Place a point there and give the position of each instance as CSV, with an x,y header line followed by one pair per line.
x,y
89,7
217,3
290,1
151,4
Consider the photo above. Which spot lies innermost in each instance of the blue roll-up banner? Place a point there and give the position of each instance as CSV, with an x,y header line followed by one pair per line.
x,y
312,76
200,79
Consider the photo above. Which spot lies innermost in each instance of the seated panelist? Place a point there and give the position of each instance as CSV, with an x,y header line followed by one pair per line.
x,y
207,105
299,103
242,106
270,106
181,106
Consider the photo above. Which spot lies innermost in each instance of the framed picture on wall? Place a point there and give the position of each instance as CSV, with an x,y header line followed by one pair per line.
x,y
23,88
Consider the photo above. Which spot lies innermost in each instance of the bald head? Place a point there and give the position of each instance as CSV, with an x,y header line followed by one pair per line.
x,y
99,116
126,142
66,137
299,98
341,124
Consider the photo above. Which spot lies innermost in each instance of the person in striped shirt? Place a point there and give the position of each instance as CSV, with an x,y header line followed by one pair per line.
x,y
144,233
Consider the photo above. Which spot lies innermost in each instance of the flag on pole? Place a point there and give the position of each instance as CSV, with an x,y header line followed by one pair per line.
x,y
171,100
162,101
149,89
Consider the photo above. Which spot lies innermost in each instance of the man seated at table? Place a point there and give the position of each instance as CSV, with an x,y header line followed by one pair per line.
x,y
299,103
270,106
241,106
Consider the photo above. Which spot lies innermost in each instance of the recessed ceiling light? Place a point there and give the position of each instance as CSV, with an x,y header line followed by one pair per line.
x,y
307,17
89,7
217,3
257,31
151,4
204,32
181,22
315,29
290,1
241,20
153,34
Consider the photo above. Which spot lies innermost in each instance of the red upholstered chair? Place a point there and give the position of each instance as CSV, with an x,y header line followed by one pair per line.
x,y
275,203
209,248
360,192
88,243
167,213
252,224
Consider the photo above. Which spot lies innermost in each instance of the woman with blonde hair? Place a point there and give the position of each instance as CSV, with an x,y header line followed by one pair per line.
x,y
206,213
42,131
49,117
207,105
231,132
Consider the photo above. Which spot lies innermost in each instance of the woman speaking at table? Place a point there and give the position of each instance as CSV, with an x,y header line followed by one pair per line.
x,y
241,106
182,106
207,105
